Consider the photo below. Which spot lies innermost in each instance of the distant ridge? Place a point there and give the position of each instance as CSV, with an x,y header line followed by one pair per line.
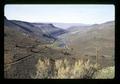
x,y
43,31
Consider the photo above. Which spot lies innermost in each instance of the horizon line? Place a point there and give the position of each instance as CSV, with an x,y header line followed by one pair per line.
x,y
61,22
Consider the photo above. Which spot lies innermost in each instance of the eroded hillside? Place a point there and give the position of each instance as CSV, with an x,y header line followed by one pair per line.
x,y
29,52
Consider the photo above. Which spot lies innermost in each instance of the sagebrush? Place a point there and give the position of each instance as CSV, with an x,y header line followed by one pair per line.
x,y
64,69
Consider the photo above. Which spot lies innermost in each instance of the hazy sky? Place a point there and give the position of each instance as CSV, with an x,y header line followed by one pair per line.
x,y
87,14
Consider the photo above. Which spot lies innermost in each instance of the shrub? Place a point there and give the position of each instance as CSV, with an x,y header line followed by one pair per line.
x,y
42,68
63,68
105,73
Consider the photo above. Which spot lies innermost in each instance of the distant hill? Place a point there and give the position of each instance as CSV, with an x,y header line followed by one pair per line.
x,y
21,54
50,28
26,43
40,31
68,25
85,39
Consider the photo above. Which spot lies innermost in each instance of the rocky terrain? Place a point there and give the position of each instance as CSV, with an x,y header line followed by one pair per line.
x,y
45,32
28,44
23,48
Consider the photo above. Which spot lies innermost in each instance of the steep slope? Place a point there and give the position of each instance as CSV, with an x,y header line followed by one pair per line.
x,y
24,45
50,28
46,32
21,54
22,29
100,36
85,40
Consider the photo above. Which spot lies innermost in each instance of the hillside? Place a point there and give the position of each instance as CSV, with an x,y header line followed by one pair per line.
x,y
25,44
85,40
22,54
28,52
41,31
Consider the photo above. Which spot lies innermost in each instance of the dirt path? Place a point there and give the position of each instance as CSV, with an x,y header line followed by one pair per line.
x,y
18,60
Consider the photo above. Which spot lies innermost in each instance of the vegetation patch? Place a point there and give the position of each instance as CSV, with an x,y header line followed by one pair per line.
x,y
64,69
105,73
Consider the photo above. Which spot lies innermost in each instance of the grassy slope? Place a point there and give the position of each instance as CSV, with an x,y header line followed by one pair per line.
x,y
22,54
99,36
28,53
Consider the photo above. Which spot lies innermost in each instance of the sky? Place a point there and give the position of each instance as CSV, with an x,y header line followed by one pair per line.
x,y
61,13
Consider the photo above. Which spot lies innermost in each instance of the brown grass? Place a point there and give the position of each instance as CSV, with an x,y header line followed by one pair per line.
x,y
64,69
